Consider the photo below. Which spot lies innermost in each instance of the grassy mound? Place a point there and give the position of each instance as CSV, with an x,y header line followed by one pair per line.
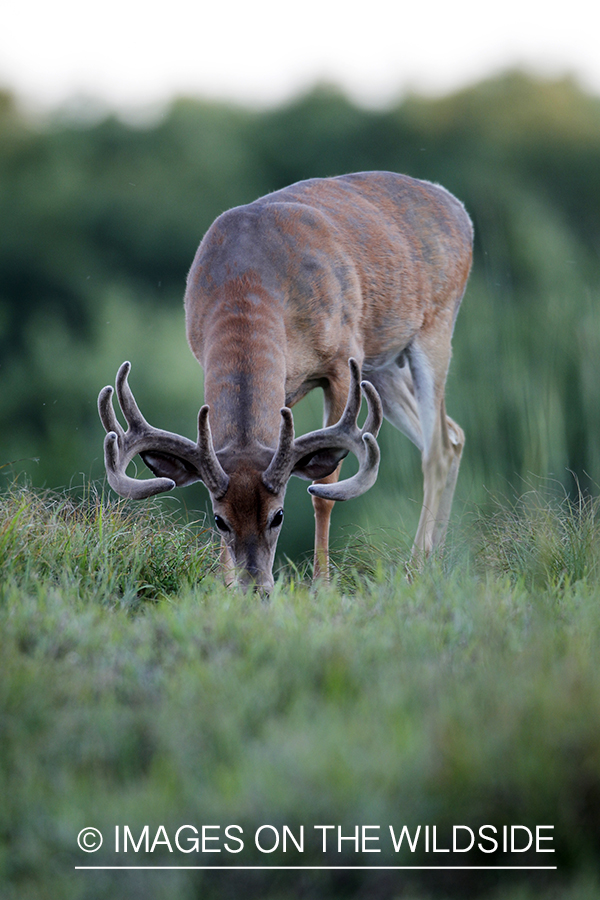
x,y
136,690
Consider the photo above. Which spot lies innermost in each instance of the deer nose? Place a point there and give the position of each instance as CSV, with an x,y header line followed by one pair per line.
x,y
253,579
252,574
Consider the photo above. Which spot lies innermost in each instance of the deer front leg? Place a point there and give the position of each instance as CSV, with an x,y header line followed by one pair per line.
x,y
323,509
334,401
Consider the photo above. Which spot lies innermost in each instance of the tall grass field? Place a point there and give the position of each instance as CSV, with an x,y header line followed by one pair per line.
x,y
312,745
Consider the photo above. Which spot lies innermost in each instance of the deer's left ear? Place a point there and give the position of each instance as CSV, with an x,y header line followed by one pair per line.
x,y
164,465
319,464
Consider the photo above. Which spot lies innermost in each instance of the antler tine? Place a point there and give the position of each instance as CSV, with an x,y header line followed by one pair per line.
x,y
127,401
213,475
116,460
107,412
374,419
350,415
279,469
358,484
117,456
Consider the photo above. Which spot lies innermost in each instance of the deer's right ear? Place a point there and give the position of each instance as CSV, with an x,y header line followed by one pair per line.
x,y
163,465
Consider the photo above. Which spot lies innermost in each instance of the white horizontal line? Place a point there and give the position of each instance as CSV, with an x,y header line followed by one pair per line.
x,y
320,868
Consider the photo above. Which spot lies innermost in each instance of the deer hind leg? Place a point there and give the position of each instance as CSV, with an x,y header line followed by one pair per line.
x,y
441,462
442,439
412,393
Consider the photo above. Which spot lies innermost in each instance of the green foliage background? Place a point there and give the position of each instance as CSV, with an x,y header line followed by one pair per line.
x,y
99,223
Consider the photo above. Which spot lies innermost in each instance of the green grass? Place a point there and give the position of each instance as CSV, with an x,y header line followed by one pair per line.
x,y
101,550
545,539
136,689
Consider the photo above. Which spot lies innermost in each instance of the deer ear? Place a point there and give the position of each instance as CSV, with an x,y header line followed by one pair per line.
x,y
320,464
166,466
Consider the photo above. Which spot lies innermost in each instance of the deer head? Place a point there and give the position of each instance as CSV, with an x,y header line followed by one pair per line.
x,y
247,484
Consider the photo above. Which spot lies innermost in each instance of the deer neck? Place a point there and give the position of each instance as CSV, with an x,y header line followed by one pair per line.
x,y
245,369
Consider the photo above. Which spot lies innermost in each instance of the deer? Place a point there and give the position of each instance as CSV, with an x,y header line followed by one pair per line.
x,y
318,284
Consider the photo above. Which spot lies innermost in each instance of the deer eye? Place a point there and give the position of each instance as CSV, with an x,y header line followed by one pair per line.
x,y
277,519
222,524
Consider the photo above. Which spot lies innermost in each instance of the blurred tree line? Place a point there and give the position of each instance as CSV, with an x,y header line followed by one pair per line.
x,y
100,221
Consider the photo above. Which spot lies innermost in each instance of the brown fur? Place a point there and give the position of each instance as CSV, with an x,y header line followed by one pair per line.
x,y
283,291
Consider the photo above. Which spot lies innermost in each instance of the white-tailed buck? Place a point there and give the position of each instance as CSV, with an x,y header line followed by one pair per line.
x,y
305,288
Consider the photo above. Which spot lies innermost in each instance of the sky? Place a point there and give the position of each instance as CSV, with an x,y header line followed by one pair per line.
x,y
130,54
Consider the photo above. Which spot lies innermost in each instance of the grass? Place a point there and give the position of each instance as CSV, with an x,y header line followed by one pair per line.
x,y
102,550
137,690
544,538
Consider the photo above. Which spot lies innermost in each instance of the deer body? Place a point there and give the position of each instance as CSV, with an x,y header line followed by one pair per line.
x,y
281,294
